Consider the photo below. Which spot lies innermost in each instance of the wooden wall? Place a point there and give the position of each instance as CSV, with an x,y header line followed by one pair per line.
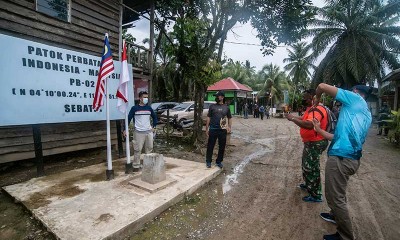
x,y
16,143
89,20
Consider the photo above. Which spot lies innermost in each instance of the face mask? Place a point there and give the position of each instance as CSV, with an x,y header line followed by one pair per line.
x,y
145,100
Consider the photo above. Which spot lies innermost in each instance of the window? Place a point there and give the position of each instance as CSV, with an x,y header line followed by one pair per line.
x,y
207,105
56,8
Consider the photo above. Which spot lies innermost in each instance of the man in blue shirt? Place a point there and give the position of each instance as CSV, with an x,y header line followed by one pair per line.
x,y
344,152
143,128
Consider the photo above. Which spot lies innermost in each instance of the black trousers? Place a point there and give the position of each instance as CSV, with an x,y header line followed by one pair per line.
x,y
213,135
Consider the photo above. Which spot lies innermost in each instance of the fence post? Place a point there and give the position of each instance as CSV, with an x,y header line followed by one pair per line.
x,y
37,141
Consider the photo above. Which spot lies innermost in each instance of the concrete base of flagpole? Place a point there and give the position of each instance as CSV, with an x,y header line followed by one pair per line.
x,y
128,168
110,174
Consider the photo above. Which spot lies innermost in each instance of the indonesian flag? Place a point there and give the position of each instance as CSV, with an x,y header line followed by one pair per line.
x,y
122,92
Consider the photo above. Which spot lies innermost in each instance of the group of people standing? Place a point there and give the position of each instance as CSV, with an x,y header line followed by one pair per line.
x,y
344,152
256,110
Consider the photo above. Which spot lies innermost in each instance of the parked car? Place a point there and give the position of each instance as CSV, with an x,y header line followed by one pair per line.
x,y
185,111
160,107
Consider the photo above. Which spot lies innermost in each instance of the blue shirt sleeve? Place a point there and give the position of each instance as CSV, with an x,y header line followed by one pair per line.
x,y
347,97
154,116
131,115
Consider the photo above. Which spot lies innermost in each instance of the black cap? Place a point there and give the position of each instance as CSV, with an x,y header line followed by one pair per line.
x,y
364,89
219,93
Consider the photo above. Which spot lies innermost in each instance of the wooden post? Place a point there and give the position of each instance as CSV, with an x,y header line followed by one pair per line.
x,y
168,125
119,138
37,141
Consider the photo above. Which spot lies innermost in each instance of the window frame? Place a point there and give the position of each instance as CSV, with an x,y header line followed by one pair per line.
x,y
69,2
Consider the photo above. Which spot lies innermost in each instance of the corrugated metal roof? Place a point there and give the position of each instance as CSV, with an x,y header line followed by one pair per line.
x,y
141,6
228,84
393,76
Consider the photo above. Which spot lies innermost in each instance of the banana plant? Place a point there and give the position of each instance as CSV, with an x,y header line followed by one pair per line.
x,y
394,126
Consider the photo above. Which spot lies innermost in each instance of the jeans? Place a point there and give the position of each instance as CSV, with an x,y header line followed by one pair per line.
x,y
213,135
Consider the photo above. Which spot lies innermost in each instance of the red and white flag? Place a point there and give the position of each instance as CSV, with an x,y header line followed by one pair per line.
x,y
122,92
106,69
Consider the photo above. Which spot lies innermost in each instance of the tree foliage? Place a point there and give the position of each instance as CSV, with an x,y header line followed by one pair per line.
x,y
363,40
280,21
275,81
200,27
299,63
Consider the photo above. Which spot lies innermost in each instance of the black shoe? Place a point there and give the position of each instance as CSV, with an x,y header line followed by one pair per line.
x,y
328,217
208,165
312,199
136,169
302,186
335,236
219,165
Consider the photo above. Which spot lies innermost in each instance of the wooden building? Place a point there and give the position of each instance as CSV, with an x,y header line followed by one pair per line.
x,y
392,83
77,25
236,94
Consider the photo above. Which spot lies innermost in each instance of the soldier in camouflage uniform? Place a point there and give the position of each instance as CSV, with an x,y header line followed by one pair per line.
x,y
314,145
311,168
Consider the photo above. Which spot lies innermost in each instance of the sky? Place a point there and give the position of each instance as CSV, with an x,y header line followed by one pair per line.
x,y
238,52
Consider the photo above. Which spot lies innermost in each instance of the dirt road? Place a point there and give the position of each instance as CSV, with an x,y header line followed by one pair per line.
x,y
256,196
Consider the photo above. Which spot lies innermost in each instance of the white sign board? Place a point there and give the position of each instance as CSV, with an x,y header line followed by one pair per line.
x,y
241,94
45,84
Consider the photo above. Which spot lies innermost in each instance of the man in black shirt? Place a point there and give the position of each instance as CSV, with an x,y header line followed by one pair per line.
x,y
218,125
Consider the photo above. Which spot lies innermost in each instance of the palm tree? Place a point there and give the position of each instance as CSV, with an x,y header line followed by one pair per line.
x,y
275,81
236,70
299,63
363,39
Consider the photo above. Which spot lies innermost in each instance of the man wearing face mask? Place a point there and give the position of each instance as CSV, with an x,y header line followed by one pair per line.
x,y
314,145
218,125
141,115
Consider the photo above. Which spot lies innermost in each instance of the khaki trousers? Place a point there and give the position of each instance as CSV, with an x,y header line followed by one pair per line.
x,y
141,139
337,174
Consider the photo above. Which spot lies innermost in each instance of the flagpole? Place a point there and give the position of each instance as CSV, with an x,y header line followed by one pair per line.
x,y
109,171
128,167
127,141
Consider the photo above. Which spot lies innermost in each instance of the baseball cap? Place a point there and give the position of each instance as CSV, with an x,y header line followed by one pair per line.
x,y
219,93
362,88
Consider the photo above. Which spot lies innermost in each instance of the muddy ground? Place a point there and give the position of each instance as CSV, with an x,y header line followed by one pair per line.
x,y
256,196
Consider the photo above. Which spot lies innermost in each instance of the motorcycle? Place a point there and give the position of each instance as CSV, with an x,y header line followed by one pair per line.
x,y
178,125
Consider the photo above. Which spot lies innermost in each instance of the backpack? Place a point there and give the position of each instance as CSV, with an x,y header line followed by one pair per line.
x,y
332,120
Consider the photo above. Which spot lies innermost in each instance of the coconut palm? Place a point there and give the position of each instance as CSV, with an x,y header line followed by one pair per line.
x,y
361,38
275,81
235,70
299,63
